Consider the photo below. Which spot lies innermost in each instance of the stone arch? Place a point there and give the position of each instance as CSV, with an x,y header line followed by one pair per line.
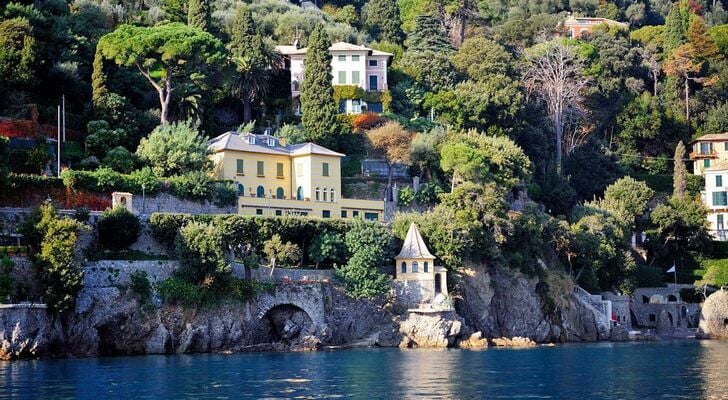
x,y
286,323
672,298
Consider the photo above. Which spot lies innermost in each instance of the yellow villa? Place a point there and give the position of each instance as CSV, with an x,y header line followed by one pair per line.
x,y
274,178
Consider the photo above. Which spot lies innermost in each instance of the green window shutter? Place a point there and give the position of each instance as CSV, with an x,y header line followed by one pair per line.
x,y
240,167
342,77
720,198
355,58
261,168
279,170
719,180
354,77
326,169
725,146
706,163
342,58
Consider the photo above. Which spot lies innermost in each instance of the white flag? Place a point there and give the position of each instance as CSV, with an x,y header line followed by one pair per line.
x,y
671,269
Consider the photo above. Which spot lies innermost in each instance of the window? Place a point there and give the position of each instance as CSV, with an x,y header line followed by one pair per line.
x,y
280,194
271,142
371,216
258,211
299,193
720,199
331,191
279,213
415,267
426,267
318,194
260,192
326,214
356,106
241,189
343,213
372,63
403,268
355,58
706,163
373,83
720,223
325,169
705,148
240,170
725,146
653,318
355,214
325,194
354,77
342,58
261,168
250,139
279,170
342,78
719,180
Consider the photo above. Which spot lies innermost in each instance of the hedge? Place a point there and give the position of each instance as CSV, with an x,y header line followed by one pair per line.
x,y
239,230
107,180
18,181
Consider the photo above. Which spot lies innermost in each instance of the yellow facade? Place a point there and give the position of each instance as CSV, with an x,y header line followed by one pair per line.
x,y
707,151
277,179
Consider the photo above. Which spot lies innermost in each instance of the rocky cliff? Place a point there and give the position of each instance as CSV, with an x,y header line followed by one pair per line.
x,y
493,302
714,316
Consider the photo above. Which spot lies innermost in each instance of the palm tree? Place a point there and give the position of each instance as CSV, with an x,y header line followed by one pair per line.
x,y
253,73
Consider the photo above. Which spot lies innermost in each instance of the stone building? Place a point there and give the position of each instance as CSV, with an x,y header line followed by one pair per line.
x,y
662,308
418,280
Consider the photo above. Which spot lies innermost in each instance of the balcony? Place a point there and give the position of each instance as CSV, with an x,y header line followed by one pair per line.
x,y
701,155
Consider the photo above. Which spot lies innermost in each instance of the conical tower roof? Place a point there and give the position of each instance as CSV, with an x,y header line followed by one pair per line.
x,y
414,246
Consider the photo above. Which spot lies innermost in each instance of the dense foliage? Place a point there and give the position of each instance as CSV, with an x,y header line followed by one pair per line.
x,y
118,229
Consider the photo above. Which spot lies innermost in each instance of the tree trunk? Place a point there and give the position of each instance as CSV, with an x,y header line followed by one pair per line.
x,y
654,79
687,101
165,109
247,110
559,130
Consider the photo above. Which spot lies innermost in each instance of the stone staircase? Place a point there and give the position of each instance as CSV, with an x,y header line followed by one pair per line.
x,y
601,308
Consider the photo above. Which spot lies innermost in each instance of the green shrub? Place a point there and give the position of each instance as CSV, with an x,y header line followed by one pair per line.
x,y
202,254
175,290
244,290
141,287
226,194
19,181
118,229
195,185
120,159
165,227
429,193
104,180
405,196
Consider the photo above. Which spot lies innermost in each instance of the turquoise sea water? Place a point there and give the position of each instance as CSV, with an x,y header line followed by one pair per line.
x,y
664,370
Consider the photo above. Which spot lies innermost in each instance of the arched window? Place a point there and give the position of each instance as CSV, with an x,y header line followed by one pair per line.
x,y
426,267
241,189
279,193
415,267
261,191
318,194
333,197
403,268
325,194
672,298
299,193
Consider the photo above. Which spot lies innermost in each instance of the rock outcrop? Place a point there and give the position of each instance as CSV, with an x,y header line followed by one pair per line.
x,y
25,332
430,330
502,302
518,342
714,316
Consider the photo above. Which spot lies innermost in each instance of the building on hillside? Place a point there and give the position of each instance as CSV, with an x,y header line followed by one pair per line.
x,y
418,280
707,150
709,154
359,76
662,308
583,27
273,178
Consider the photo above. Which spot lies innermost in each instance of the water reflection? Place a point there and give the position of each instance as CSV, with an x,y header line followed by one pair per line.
x,y
714,369
427,373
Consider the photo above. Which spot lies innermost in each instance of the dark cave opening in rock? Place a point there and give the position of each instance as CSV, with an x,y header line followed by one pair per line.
x,y
284,323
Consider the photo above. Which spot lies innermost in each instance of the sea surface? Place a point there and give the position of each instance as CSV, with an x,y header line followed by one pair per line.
x,y
660,370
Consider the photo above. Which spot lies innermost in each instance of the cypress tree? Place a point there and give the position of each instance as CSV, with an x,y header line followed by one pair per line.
x,y
677,24
317,93
198,14
679,177
428,35
98,80
243,31
384,21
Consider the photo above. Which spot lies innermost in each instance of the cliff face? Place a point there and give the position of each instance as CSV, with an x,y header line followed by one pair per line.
x,y
502,302
108,320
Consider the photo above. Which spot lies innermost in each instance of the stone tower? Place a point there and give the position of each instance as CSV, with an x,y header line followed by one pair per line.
x,y
417,277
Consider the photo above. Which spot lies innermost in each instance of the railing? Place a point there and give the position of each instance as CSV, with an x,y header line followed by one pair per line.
x,y
594,301
703,154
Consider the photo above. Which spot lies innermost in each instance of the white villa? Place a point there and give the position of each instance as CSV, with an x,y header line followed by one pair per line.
x,y
417,279
351,65
710,160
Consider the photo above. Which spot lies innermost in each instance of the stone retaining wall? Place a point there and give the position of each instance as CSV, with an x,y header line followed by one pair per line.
x,y
166,203
294,275
106,273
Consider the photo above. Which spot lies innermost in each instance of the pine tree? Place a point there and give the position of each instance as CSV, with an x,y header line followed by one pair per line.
x,y
317,92
198,14
703,44
428,35
384,21
679,178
